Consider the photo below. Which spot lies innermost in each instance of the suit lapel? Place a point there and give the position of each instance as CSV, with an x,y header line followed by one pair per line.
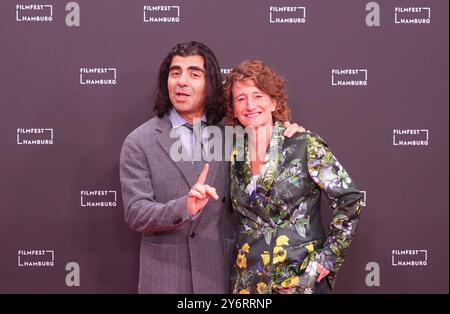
x,y
164,140
185,167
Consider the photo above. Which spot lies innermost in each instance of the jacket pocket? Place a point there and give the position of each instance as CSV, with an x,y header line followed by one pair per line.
x,y
159,268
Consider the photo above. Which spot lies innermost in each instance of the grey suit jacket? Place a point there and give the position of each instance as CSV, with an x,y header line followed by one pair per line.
x,y
178,254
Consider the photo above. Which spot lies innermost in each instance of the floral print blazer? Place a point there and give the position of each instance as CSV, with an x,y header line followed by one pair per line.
x,y
281,237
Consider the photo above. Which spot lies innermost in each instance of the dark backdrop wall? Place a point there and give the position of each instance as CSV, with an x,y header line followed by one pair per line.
x,y
369,77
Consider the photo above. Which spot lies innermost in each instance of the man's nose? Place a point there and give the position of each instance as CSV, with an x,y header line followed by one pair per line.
x,y
182,80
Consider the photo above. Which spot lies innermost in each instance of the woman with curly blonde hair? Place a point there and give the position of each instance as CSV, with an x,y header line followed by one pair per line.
x,y
276,190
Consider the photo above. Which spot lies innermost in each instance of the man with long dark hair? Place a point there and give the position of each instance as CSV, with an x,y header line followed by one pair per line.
x,y
181,252
187,238
213,104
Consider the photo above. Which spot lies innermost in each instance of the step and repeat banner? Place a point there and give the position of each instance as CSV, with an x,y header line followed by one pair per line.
x,y
371,77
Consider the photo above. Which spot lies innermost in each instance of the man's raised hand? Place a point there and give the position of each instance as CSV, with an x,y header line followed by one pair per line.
x,y
200,193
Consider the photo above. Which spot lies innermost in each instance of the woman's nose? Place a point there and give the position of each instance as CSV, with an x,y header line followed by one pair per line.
x,y
251,103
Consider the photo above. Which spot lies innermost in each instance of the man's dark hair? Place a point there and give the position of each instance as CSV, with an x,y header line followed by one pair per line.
x,y
214,101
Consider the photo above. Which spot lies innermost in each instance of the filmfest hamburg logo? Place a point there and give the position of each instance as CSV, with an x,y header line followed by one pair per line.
x,y
225,72
34,12
412,15
34,136
36,258
410,137
161,13
98,198
409,257
98,76
349,77
287,15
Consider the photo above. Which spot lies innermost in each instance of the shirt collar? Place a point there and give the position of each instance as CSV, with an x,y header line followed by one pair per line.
x,y
178,120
